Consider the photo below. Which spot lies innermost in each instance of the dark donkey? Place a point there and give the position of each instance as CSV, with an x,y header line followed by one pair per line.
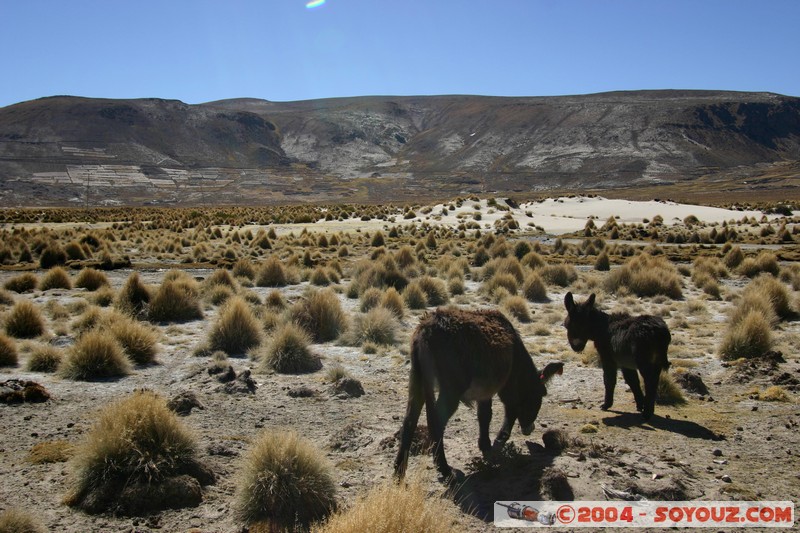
x,y
624,341
471,356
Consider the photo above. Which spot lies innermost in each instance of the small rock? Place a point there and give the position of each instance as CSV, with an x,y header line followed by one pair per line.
x,y
716,452
348,388
726,478
227,376
184,402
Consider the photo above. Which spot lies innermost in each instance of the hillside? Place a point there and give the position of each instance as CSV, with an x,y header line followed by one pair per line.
x,y
379,148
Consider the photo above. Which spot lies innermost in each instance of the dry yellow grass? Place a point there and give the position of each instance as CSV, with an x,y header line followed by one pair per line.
x,y
392,508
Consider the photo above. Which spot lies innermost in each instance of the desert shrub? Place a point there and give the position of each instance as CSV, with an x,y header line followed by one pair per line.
x,y
404,257
236,329
52,255
138,341
414,296
404,507
517,306
378,325
44,358
533,260
751,337
335,372
562,275
272,273
8,351
90,279
668,392
176,300
95,355
774,393
775,292
88,320
218,294
136,440
288,351
370,298
503,265
320,314
24,321
133,297
284,483
55,278
393,301
456,286
534,288
646,275
21,283
764,262
15,520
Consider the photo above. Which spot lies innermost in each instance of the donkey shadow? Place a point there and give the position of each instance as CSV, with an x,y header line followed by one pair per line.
x,y
687,428
509,474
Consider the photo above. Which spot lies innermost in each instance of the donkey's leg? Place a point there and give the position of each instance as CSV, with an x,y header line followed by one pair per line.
x,y
650,373
484,418
505,431
610,381
416,399
438,414
632,379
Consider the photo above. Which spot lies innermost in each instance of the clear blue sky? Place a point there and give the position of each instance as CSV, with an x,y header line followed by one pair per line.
x,y
199,50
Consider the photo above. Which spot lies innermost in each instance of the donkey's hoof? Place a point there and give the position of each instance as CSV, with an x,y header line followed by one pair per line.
x,y
606,406
646,414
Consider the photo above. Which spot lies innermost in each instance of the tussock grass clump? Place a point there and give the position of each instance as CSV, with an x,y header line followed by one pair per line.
x,y
55,278
336,372
103,296
5,297
733,257
22,283
272,273
393,301
284,483
414,296
764,262
275,300
176,300
562,274
534,288
668,392
52,255
244,268
8,351
15,520
95,355
774,393
24,321
220,277
750,337
91,279
138,341
435,290
402,507
320,313
44,358
378,325
218,294
51,451
133,297
646,275
517,307
289,352
236,329
137,440
370,298
773,291
500,280
752,301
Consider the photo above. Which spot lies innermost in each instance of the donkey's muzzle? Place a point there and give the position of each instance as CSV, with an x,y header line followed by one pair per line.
x,y
526,430
578,344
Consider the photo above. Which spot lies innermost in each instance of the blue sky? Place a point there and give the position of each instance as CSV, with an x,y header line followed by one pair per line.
x,y
198,50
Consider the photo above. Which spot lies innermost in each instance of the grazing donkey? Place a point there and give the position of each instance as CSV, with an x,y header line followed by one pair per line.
x,y
470,356
624,341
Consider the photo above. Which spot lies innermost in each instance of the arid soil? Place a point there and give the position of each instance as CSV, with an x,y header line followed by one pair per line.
x,y
723,444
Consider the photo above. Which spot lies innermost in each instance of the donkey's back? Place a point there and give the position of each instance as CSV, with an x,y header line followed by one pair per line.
x,y
646,335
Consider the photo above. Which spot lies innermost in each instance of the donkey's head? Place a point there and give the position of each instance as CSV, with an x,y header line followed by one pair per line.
x,y
533,403
578,321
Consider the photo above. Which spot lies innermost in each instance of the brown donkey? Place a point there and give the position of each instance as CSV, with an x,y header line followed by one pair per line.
x,y
628,342
470,356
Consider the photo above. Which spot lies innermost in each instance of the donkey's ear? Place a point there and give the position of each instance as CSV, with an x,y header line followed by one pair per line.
x,y
590,301
569,302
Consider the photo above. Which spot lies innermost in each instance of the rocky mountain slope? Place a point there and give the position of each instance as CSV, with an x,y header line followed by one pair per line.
x,y
76,150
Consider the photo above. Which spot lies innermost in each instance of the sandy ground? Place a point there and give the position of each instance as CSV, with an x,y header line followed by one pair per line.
x,y
683,451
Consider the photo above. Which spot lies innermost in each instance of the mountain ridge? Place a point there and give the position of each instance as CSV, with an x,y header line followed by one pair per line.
x,y
153,150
